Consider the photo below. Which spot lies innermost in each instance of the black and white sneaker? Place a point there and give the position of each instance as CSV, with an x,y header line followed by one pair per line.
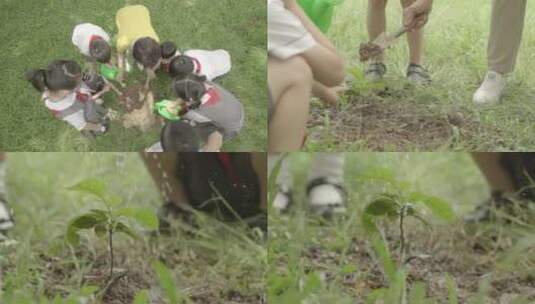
x,y
326,196
283,199
6,219
499,207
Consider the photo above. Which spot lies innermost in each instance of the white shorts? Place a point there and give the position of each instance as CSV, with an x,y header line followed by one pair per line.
x,y
286,34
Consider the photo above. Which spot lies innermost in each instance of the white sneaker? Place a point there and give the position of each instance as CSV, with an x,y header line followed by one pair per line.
x,y
490,90
326,197
283,199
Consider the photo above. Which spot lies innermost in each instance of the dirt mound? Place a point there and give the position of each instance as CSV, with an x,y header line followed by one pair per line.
x,y
385,125
132,98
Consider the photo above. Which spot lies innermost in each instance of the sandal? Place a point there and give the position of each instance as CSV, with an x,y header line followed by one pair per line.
x,y
375,72
417,74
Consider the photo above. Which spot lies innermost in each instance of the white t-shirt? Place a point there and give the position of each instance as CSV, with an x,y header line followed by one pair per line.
x,y
211,64
75,119
286,34
82,34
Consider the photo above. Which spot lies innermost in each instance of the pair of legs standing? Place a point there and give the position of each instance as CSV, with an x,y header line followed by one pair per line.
x,y
376,26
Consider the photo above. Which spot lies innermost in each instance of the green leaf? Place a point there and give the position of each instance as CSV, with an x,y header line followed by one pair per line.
x,y
312,284
72,235
146,217
91,186
101,215
100,230
121,227
166,281
385,205
88,290
142,297
113,200
438,207
417,293
368,224
380,248
452,290
86,221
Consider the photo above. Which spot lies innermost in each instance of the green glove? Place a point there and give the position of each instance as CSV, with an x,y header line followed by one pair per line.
x,y
320,11
108,72
161,108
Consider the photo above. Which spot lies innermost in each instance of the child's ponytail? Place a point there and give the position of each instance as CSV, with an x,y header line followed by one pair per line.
x,y
37,78
190,88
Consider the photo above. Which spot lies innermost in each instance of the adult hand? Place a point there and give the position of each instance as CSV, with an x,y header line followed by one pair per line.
x,y
416,15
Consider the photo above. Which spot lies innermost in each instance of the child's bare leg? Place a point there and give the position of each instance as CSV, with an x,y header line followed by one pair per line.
x,y
376,21
497,177
94,127
415,40
290,83
162,166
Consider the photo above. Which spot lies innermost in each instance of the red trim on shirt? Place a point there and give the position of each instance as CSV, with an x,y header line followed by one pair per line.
x,y
198,66
211,97
94,37
226,161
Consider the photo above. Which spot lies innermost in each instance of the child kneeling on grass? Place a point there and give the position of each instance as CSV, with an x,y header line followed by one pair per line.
x,y
213,115
300,59
134,23
209,63
64,94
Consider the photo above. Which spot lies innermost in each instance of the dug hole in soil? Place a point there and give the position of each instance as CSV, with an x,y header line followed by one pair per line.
x,y
386,123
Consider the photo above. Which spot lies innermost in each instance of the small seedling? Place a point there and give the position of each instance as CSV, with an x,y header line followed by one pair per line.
x,y
109,220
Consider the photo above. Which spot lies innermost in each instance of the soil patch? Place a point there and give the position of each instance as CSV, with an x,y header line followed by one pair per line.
x,y
383,124
132,98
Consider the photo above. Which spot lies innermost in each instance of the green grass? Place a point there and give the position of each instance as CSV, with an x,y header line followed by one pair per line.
x,y
220,264
35,33
320,261
455,54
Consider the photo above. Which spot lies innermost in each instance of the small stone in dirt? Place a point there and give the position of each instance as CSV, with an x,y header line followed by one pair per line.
x,y
456,118
369,50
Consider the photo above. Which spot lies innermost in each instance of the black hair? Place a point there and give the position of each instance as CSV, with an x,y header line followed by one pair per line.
x,y
37,79
190,88
181,66
100,50
168,49
180,136
94,82
59,75
147,52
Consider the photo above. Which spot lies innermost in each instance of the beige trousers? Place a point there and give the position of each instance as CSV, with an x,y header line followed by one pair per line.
x,y
507,23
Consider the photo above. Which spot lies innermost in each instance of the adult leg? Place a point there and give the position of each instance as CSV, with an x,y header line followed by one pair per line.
x,y
259,160
325,189
162,168
506,29
497,177
290,83
507,23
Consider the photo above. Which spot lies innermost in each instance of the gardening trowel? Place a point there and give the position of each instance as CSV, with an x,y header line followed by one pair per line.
x,y
385,40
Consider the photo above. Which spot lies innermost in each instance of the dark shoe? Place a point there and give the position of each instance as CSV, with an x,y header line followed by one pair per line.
x,y
171,211
498,207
